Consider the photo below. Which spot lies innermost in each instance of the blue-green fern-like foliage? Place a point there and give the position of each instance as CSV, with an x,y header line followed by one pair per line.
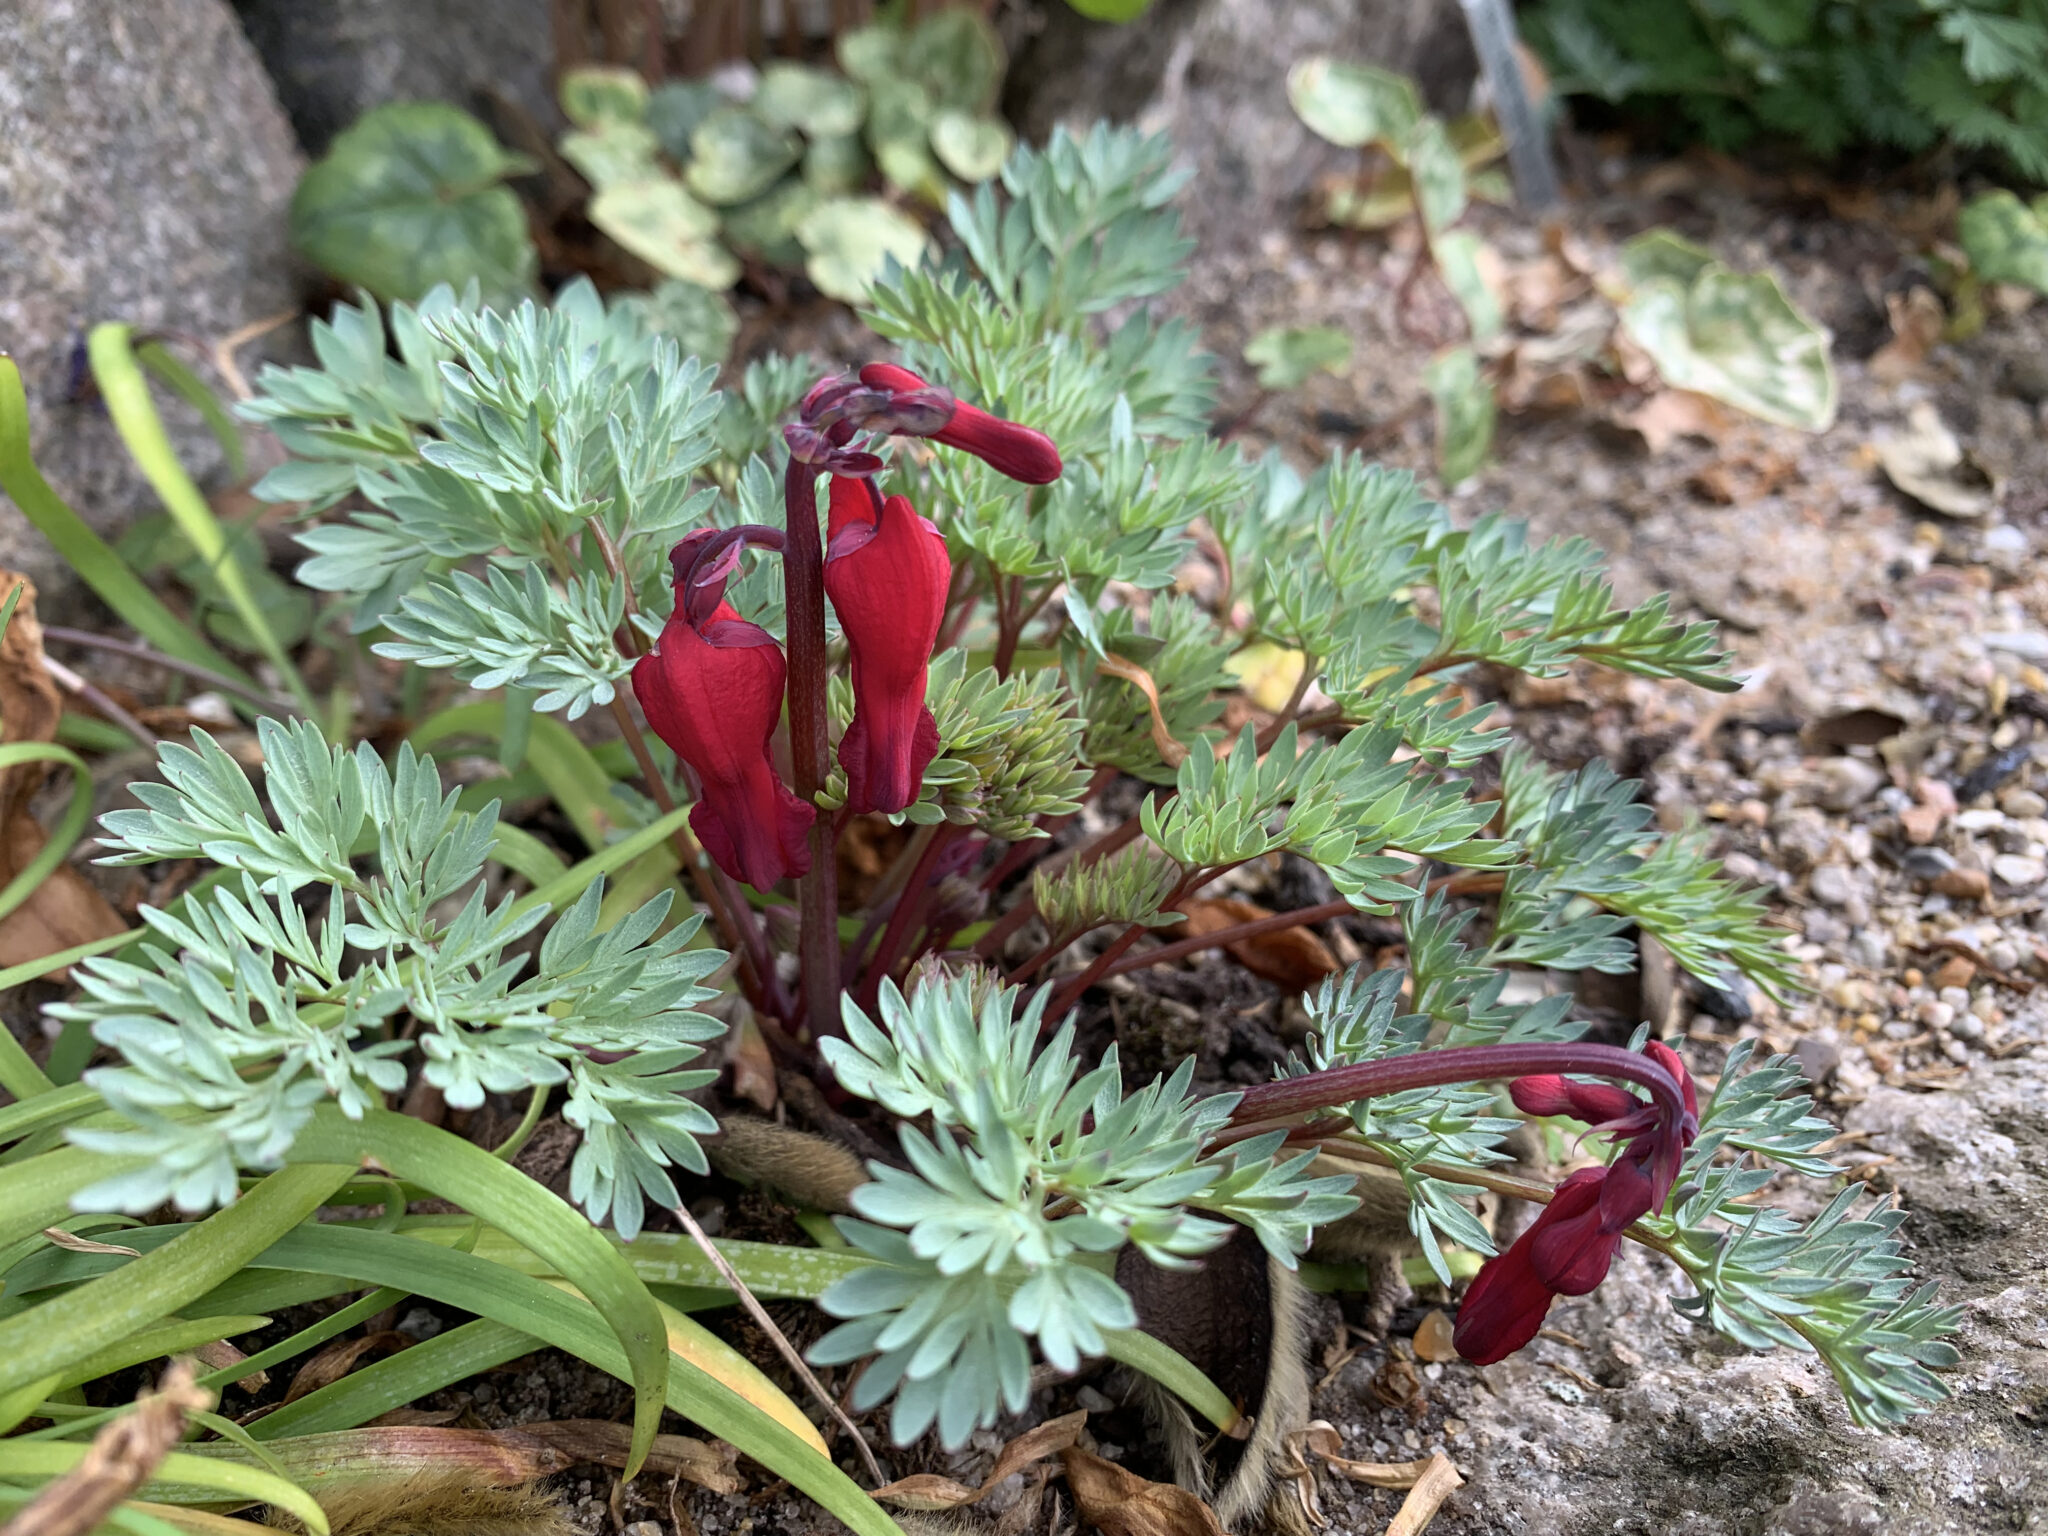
x,y
494,495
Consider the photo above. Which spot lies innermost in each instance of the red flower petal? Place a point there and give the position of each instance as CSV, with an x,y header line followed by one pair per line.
x,y
714,696
1020,452
889,590
1594,1103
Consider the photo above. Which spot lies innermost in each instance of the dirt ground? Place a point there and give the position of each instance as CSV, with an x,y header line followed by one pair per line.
x,y
1883,773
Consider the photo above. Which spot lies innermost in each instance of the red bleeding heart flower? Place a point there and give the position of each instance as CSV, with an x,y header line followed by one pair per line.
x,y
887,573
1022,453
1568,1248
713,692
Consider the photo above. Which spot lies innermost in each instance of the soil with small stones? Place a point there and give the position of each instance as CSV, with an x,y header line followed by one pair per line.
x,y
1883,774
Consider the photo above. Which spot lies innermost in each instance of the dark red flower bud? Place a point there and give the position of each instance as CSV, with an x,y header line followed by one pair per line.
x,y
1019,452
714,693
1568,1248
887,573
1564,1253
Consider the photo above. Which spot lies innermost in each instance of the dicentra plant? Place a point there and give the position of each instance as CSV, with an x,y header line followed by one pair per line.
x,y
954,595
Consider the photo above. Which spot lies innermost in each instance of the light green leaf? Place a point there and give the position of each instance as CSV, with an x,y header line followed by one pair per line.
x,y
597,94
1728,335
613,154
957,56
838,165
664,226
411,196
2006,240
766,227
850,239
676,108
870,53
1458,253
815,102
1353,105
1111,10
735,155
1663,253
1464,413
972,148
1437,173
1286,356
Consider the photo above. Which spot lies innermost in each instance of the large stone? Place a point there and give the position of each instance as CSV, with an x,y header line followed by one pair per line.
x,y
333,60
1213,75
144,173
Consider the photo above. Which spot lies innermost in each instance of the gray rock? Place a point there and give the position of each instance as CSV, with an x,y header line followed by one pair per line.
x,y
1846,782
1926,864
1213,75
144,173
333,60
1832,884
1817,1058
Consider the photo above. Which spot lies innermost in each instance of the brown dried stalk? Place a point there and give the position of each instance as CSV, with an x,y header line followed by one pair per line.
x,y
119,1461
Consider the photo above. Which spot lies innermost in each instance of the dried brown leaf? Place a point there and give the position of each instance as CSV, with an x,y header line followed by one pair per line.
x,y
1321,1438
66,910
1929,465
1671,414
1917,320
1171,752
929,1491
118,1461
1121,1503
1433,1338
708,1464
339,1358
71,1242
1294,958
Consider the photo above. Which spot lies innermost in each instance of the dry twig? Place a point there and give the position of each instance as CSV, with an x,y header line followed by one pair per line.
x,y
119,1461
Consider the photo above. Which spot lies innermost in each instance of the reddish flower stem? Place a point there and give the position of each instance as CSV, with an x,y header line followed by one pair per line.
x,y
1070,994
910,906
1458,1064
1300,917
991,943
803,586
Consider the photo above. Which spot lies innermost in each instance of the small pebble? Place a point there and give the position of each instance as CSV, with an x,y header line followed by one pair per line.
x,y
2020,871
1957,998
1093,1400
2023,804
1846,782
644,1528
1904,1029
1831,883
1967,1027
1964,884
2003,956
1934,1014
1927,864
1955,1050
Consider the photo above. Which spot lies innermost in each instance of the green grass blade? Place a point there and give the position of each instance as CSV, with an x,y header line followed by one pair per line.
x,y
68,1328
126,393
565,889
571,1323
19,1074
85,551
172,1336
70,826
527,856
180,1477
499,1194
190,388
37,1193
398,1379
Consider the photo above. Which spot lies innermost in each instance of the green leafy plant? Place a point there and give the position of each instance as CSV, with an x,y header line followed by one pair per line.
x,y
522,509
1905,74
412,195
1732,336
685,178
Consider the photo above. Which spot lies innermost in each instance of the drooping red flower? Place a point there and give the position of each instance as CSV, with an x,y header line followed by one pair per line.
x,y
1573,1240
1022,453
887,573
713,692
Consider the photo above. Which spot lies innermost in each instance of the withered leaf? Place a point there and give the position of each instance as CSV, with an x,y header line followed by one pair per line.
x,y
708,1464
929,1491
1121,1503
1293,958
1433,1338
66,910
339,1358
1321,1437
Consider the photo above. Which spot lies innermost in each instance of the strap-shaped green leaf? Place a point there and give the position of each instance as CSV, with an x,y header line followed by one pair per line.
x,y
485,1187
69,1328
556,1317
179,1474
85,551
36,1193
